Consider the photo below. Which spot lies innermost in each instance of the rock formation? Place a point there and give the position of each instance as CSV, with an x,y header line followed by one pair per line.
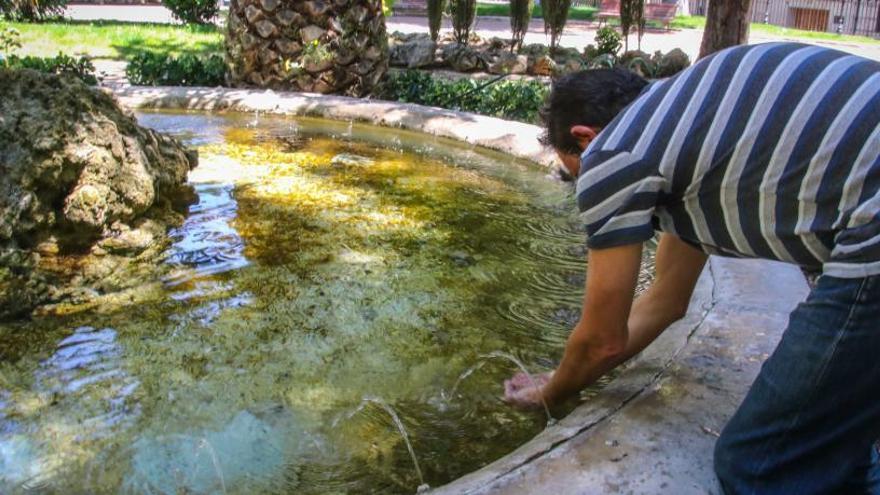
x,y
83,190
493,55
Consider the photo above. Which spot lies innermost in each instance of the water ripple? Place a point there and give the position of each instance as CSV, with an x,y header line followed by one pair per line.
x,y
86,362
207,242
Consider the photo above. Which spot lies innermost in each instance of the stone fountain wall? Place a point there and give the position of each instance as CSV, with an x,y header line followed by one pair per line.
x,y
321,46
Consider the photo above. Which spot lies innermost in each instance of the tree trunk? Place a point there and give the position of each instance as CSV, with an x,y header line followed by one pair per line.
x,y
727,24
315,46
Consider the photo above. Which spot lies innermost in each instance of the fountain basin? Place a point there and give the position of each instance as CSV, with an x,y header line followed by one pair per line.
x,y
528,468
325,262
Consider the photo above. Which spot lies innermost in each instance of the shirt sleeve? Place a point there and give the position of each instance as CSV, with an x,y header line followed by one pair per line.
x,y
617,194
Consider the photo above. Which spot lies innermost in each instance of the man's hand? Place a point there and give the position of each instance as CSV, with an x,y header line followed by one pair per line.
x,y
524,392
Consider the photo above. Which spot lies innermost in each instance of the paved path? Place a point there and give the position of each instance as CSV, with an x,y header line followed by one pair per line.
x,y
577,34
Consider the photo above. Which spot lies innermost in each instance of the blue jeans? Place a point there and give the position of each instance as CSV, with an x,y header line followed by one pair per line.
x,y
810,422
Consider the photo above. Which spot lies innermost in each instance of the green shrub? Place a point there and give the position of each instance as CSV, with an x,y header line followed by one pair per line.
x,y
517,100
192,11
9,42
31,10
387,7
607,41
156,69
80,68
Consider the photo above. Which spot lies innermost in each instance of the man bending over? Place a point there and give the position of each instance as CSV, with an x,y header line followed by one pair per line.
x,y
765,151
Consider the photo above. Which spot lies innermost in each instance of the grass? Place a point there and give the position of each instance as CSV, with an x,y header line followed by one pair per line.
x,y
699,22
116,40
688,22
577,12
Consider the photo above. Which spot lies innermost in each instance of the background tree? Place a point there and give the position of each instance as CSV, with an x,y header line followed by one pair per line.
x,y
640,24
555,17
193,11
520,17
727,24
463,14
435,16
31,10
631,16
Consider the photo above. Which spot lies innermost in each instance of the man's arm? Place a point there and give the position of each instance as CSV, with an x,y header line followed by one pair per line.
x,y
613,328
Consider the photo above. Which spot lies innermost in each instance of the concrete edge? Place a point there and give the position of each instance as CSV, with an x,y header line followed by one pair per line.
x,y
717,287
517,139
634,379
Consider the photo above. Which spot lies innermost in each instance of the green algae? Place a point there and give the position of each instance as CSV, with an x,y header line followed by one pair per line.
x,y
319,280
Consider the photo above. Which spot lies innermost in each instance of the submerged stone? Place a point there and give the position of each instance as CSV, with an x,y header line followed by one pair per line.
x,y
350,160
461,258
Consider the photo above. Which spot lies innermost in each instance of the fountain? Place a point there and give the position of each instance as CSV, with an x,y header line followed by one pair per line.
x,y
308,286
485,358
423,487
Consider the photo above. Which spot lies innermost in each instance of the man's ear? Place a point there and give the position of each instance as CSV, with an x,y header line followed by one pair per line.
x,y
583,134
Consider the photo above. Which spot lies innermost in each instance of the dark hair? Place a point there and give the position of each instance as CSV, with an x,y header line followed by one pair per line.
x,y
590,97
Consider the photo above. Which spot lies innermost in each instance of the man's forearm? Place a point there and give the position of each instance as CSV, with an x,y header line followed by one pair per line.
x,y
583,364
650,316
613,328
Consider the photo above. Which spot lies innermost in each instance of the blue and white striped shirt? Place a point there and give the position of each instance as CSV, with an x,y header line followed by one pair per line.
x,y
769,151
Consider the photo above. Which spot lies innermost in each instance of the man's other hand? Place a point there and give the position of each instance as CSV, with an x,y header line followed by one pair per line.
x,y
524,392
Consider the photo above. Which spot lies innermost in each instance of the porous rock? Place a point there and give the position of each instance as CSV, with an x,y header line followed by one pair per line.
x,y
76,173
462,58
672,63
413,53
509,63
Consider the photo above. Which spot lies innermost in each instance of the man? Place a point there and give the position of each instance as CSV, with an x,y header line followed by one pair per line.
x,y
766,151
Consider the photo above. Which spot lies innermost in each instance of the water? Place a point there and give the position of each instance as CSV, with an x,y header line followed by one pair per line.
x,y
298,285
500,355
403,434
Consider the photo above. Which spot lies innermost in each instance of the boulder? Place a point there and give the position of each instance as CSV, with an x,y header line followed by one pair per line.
x,y
543,65
535,50
462,58
631,55
672,63
638,62
78,173
413,53
509,63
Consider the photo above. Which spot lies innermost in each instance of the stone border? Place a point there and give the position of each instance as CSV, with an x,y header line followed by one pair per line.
x,y
653,429
632,384
631,381
513,138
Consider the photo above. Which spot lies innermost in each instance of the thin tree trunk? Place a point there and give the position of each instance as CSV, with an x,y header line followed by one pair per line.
x,y
727,24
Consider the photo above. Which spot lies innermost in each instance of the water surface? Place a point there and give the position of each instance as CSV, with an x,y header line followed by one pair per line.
x,y
324,263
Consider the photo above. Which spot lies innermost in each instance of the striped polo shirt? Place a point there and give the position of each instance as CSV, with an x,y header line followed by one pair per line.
x,y
769,151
